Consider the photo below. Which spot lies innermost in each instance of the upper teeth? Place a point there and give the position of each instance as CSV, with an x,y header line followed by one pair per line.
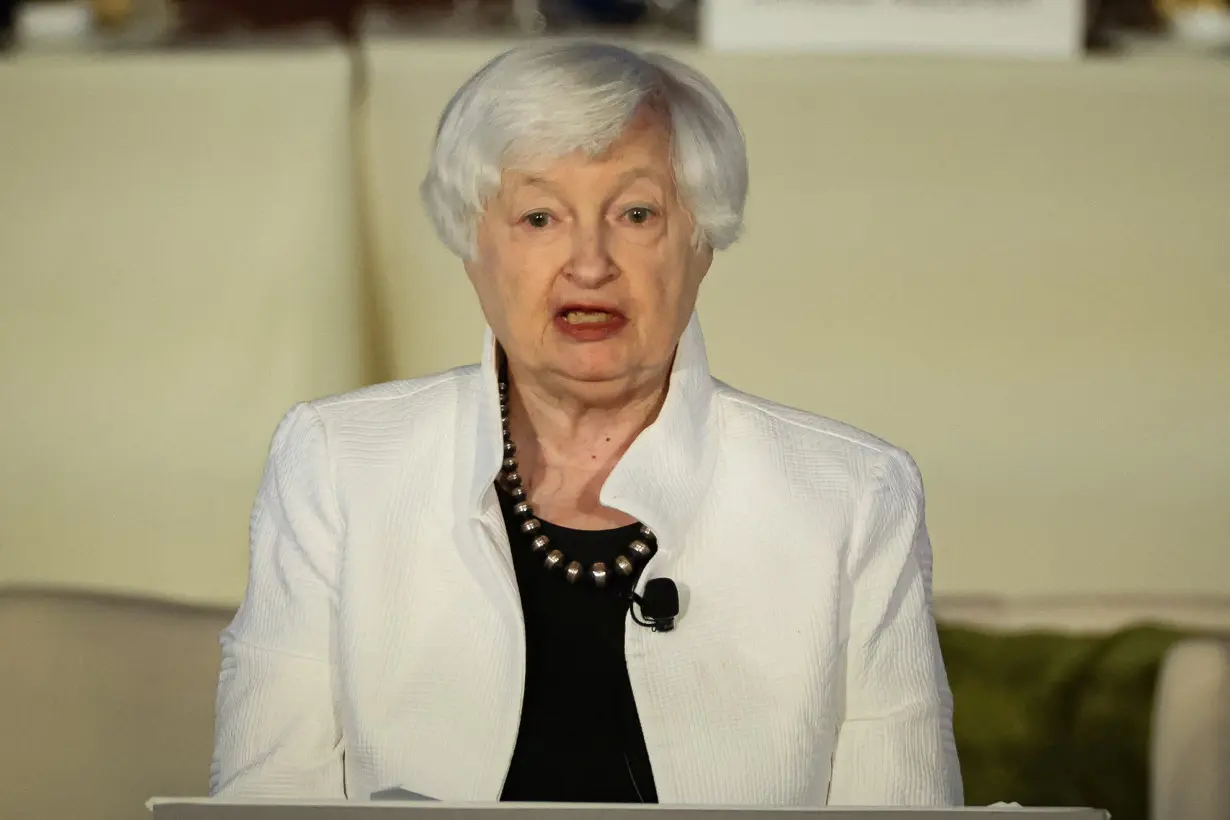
x,y
585,316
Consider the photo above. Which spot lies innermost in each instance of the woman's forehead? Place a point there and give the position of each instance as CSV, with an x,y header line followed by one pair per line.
x,y
637,154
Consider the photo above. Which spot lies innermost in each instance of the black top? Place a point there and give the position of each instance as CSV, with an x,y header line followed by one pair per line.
x,y
580,739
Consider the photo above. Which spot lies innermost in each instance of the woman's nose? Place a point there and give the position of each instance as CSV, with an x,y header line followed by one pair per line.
x,y
591,265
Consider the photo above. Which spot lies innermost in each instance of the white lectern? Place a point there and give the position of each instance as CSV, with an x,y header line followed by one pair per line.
x,y
171,809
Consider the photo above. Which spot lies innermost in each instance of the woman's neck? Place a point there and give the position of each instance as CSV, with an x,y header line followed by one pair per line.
x,y
567,446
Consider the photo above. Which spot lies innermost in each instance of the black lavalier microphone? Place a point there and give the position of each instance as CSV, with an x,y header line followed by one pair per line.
x,y
659,605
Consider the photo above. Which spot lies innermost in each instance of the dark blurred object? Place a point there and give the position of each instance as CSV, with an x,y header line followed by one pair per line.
x,y
206,19
564,13
8,22
1108,19
675,15
112,14
680,16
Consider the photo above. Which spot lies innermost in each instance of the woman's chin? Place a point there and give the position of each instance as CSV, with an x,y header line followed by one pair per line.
x,y
595,372
591,363
596,375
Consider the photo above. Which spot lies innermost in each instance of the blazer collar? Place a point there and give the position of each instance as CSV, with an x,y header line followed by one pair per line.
x,y
662,477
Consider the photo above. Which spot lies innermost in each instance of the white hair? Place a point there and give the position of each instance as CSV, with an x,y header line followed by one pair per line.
x,y
549,99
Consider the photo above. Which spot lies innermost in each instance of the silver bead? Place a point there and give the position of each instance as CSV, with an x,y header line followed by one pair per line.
x,y
532,525
503,387
522,508
516,493
622,565
540,543
646,532
503,409
513,478
509,448
554,559
640,549
510,464
598,573
573,572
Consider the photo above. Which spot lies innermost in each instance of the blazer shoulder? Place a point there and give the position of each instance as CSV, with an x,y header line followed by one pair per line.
x,y
803,432
418,395
821,429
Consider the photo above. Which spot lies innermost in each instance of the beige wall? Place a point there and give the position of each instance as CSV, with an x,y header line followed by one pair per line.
x,y
1020,272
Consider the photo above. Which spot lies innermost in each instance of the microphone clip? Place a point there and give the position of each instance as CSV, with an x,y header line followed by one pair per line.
x,y
659,606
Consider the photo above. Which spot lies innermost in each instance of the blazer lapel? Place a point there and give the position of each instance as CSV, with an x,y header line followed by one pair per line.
x,y
663,477
661,480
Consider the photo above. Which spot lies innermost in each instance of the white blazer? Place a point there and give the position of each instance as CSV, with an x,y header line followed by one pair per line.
x,y
381,643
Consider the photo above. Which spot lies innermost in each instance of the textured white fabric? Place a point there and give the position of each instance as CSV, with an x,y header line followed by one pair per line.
x,y
380,643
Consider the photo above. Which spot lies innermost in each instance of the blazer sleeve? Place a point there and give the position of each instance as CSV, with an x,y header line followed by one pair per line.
x,y
895,744
277,730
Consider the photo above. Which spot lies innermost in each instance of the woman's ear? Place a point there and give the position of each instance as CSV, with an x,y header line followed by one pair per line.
x,y
472,260
702,260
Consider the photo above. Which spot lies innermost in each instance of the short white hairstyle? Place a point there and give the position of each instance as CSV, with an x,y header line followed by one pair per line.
x,y
548,99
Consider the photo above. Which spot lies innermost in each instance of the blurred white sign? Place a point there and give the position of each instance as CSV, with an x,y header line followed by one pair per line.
x,y
1023,28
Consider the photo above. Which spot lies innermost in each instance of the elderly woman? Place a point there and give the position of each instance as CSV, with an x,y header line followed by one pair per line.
x,y
449,575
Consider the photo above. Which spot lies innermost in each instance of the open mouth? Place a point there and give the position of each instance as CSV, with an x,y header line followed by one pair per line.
x,y
589,323
588,316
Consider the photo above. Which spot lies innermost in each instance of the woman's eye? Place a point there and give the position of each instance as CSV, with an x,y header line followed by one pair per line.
x,y
638,215
537,220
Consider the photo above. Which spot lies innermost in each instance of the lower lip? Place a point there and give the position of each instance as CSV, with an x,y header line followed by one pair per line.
x,y
591,331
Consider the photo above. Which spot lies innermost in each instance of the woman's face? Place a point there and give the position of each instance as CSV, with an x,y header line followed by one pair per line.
x,y
586,267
